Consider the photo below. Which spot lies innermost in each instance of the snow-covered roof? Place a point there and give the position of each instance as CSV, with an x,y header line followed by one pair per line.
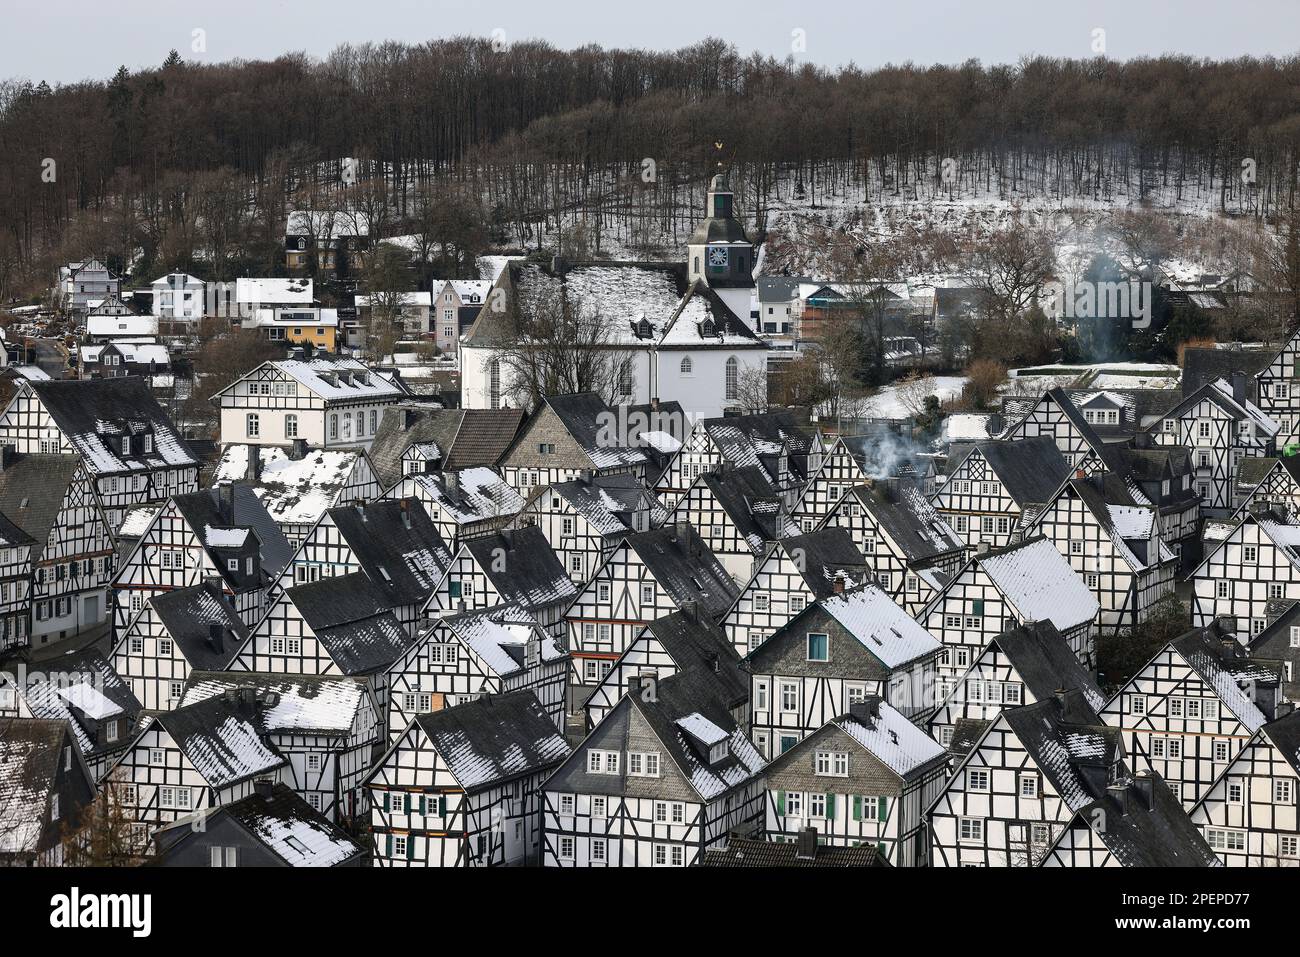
x,y
1040,584
250,290
293,491
881,626
473,495
889,737
407,300
142,353
500,635
339,379
702,729
319,704
112,326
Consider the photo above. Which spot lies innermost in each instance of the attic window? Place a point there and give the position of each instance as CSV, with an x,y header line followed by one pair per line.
x,y
718,752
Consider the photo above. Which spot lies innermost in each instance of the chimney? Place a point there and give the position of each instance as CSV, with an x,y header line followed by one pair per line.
x,y
679,530
1080,474
298,450
586,476
452,481
408,419
1239,386
405,506
216,635
690,610
254,470
226,502
1145,784
1119,792
837,583
361,510
807,850
7,454
262,787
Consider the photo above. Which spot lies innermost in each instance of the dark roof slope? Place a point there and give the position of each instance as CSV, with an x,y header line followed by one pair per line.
x,y
824,554
746,852
351,618
750,501
1203,366
397,545
697,644
188,614
1043,660
206,507
1031,470
1146,826
523,567
684,566
270,817
32,488
907,517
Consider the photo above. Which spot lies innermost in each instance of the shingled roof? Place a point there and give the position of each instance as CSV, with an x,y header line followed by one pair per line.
x,y
210,512
908,518
397,546
466,438
523,567
188,614
1043,660
351,617
221,739
747,852
824,555
32,489
685,567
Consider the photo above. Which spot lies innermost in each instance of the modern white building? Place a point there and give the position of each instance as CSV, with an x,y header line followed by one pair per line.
x,y
178,297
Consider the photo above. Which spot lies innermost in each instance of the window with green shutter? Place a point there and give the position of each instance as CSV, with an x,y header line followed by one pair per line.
x,y
421,803
780,803
977,607
442,806
388,846
385,800
454,589
882,804
857,807
830,805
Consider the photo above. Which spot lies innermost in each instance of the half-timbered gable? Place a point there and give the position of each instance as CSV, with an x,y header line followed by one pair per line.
x,y
663,777
201,756
1248,815
486,651
782,445
998,488
296,484
796,572
1112,541
326,726
649,575
392,542
414,439
1055,415
1278,647
1220,426
681,641
1161,477
1000,590
566,435
328,402
461,786
1256,563
79,688
512,567
15,585
839,651
840,471
1191,709
1137,823
174,634
132,452
1271,482
1278,392
738,513
52,500
910,548
336,626
585,519
471,503
223,533
1030,771
45,790
272,827
865,777
1023,665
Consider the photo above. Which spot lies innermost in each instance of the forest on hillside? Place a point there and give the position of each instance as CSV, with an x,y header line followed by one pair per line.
x,y
195,166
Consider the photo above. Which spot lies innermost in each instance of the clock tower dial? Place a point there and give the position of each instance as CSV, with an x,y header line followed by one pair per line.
x,y
717,257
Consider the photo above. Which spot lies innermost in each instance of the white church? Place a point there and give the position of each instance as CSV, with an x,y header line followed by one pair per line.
x,y
679,331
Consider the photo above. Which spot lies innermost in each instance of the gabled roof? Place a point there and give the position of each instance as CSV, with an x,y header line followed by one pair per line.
x,y
467,438
824,555
494,738
744,440
753,505
1132,526
696,644
685,567
218,527
881,626
582,415
1203,366
704,321
287,704
1284,734
466,496
189,613
884,733
81,689
221,739
351,617
30,752
1068,743
32,489
1144,825
907,517
602,500
1218,659
748,852
1043,660
1030,469
293,491
1040,583
522,567
95,414
1219,393
397,545
500,635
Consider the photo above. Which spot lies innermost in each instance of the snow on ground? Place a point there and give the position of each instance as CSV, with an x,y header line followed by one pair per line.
x,y
890,401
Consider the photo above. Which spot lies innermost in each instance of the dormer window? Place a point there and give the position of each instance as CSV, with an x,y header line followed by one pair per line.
x,y
126,445
718,752
148,443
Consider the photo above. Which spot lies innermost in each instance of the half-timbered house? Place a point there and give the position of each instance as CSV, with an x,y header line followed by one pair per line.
x,y
415,439
837,652
52,499
649,575
1056,416
329,402
1255,563
223,533
486,651
16,548
865,777
662,778
1029,771
1191,709
173,634
565,436
911,550
585,519
132,453
1278,393
327,727
1278,646
1001,589
197,757
997,488
1023,665
461,786
796,572
738,513
1269,482
1111,538
45,790
512,567
296,484
272,827
1248,814
1221,426
462,505
1137,822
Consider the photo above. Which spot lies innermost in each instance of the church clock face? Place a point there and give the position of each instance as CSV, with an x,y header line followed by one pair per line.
x,y
717,257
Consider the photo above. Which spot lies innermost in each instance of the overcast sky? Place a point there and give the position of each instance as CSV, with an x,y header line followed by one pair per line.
x,y
69,40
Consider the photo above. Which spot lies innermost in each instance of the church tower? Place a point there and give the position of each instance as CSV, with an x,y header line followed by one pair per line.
x,y
719,253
